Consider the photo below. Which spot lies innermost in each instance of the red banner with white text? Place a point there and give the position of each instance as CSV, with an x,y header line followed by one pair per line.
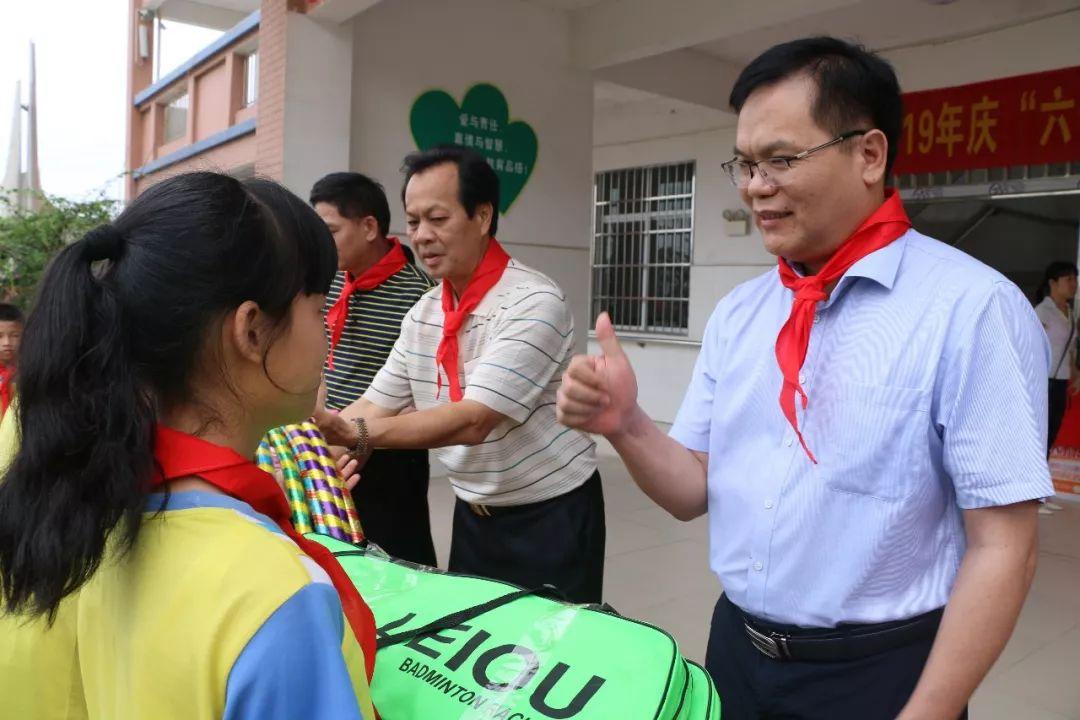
x,y
1023,120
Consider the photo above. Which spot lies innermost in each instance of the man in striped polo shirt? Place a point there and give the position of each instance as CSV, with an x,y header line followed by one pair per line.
x,y
376,287
480,357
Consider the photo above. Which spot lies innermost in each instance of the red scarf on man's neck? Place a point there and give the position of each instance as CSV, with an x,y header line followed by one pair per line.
x,y
181,455
390,264
487,273
7,387
885,225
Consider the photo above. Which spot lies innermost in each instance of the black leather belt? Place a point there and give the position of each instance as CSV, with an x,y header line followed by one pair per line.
x,y
481,510
493,510
846,642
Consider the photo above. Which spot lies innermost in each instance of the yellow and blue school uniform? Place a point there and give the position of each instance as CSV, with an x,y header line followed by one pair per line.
x,y
39,669
215,613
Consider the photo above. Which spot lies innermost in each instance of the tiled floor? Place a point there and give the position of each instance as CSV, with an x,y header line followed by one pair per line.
x,y
1036,678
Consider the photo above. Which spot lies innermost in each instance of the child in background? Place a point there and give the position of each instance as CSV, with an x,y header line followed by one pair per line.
x,y
11,328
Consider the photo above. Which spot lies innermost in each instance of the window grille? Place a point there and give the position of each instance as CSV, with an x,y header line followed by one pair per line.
x,y
642,247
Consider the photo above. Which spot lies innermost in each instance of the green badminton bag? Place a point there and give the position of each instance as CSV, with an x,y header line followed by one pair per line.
x,y
457,647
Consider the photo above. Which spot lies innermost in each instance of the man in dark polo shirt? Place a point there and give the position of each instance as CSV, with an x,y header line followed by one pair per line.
x,y
376,287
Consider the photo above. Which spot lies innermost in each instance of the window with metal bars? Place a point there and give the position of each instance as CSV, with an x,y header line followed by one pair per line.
x,y
642,247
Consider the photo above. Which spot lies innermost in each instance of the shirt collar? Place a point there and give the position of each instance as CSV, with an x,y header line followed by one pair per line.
x,y
491,300
881,266
194,499
1050,305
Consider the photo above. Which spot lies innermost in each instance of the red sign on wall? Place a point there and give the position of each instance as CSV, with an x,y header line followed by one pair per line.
x,y
1022,120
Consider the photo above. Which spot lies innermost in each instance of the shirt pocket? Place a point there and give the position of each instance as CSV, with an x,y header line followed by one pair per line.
x,y
871,440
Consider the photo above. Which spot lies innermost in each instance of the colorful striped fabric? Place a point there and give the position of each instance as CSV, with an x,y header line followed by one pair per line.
x,y
317,496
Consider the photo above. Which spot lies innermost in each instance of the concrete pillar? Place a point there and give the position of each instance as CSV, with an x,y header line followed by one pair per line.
x,y
318,101
270,134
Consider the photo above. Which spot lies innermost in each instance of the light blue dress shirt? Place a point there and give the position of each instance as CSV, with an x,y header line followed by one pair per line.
x,y
926,376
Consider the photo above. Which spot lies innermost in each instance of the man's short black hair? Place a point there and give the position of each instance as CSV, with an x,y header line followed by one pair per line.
x,y
10,313
477,181
355,196
854,86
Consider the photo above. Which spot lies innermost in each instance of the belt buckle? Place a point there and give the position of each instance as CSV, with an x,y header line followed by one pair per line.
x,y
773,645
480,510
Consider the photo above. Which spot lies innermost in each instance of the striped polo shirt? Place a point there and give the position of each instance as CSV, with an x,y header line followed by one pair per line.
x,y
513,349
372,325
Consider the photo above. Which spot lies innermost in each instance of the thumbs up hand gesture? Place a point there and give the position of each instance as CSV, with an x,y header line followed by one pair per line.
x,y
599,393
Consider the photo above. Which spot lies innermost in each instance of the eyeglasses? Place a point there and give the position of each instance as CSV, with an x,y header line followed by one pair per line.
x,y
776,171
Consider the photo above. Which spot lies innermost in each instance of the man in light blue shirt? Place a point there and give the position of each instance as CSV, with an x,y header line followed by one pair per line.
x,y
884,579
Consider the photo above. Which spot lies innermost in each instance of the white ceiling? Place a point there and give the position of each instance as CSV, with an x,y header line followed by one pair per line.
x,y
566,4
613,99
624,114
213,14
244,6
885,25
692,50
608,93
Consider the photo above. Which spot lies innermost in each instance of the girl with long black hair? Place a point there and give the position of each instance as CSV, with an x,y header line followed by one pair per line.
x,y
160,348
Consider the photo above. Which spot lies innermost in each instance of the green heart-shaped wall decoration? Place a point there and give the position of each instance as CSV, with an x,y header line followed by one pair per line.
x,y
481,122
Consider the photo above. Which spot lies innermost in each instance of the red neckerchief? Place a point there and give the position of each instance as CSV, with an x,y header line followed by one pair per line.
x,y
389,265
483,279
885,225
7,387
181,455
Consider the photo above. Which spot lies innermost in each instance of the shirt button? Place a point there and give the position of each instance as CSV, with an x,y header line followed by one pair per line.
x,y
802,378
790,441
758,566
817,318
768,504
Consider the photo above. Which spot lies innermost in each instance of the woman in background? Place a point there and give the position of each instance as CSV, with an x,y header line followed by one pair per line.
x,y
1053,305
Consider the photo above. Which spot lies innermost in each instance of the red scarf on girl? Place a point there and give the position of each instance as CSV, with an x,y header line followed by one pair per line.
x,y
483,279
885,225
390,264
181,455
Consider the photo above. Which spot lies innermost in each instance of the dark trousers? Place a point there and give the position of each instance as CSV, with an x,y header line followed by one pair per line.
x,y
754,687
392,502
557,542
1059,399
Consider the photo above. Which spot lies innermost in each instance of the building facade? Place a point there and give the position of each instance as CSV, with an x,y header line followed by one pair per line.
x,y
608,122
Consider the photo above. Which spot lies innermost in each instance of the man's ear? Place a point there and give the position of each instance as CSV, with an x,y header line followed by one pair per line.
x,y
370,227
484,213
874,152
